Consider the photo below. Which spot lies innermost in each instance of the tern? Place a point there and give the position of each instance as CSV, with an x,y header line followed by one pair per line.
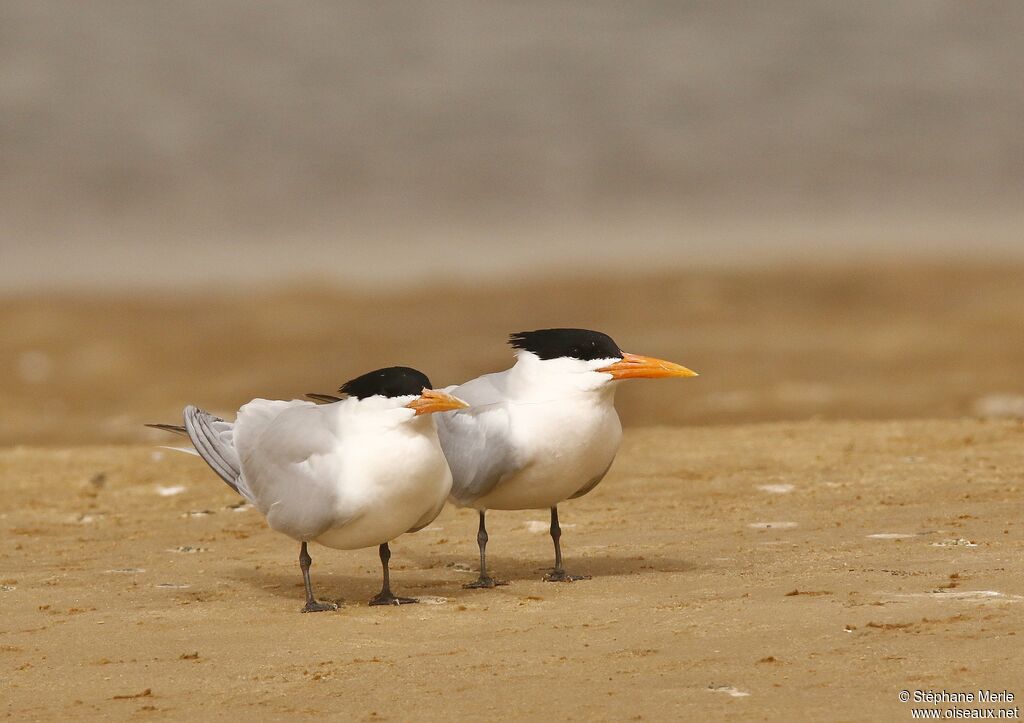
x,y
354,473
543,431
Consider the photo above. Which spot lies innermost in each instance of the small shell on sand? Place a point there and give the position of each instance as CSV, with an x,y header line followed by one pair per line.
x,y
892,535
960,595
773,525
729,690
539,526
170,491
776,489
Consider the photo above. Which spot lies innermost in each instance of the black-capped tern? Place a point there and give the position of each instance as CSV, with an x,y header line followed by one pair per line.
x,y
355,473
542,432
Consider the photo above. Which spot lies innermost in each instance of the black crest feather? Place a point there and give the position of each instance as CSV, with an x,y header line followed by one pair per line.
x,y
575,343
389,382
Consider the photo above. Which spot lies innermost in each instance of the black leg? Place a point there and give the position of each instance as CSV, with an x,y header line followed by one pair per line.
x,y
385,597
558,574
312,606
481,540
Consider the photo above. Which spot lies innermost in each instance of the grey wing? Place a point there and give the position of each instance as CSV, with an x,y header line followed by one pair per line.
x,y
476,441
213,438
290,462
487,390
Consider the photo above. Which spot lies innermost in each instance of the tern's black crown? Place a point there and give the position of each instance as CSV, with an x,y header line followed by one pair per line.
x,y
576,343
389,382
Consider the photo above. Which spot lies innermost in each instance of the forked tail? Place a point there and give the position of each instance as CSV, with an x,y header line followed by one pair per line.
x,y
213,439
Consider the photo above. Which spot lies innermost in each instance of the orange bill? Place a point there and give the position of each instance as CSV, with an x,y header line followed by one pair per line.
x,y
432,400
634,366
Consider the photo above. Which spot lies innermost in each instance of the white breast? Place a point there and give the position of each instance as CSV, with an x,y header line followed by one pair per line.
x,y
387,486
557,448
347,479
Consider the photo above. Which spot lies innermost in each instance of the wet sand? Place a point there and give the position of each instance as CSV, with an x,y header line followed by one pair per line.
x,y
770,571
878,341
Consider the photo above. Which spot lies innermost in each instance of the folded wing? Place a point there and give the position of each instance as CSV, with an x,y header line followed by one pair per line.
x,y
476,441
289,458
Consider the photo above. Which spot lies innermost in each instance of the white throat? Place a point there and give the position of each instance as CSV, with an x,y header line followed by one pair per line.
x,y
533,379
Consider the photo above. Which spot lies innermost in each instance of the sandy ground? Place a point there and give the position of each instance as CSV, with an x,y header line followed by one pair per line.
x,y
743,567
883,341
771,571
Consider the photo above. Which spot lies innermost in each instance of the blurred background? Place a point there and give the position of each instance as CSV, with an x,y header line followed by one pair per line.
x,y
819,206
